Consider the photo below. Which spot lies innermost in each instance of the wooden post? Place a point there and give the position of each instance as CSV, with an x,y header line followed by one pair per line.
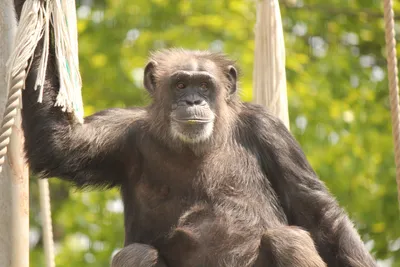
x,y
14,187
269,76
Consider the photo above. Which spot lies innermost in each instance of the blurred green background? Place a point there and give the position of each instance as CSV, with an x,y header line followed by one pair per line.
x,y
338,99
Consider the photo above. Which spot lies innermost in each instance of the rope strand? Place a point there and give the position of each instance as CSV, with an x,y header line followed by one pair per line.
x,y
393,84
10,112
45,209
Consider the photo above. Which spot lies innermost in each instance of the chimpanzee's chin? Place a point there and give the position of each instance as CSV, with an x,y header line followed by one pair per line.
x,y
192,131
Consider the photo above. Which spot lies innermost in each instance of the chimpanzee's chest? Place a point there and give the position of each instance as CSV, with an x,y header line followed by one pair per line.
x,y
169,183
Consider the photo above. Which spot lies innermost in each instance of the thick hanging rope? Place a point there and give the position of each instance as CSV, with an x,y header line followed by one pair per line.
x,y
34,24
393,84
269,75
27,37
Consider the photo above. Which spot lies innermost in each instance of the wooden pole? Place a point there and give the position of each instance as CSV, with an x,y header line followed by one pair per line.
x,y
14,188
269,76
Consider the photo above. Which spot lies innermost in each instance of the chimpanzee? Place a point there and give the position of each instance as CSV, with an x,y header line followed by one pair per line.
x,y
195,144
196,241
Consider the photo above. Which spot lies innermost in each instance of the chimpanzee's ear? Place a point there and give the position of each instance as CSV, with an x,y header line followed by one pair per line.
x,y
149,80
232,77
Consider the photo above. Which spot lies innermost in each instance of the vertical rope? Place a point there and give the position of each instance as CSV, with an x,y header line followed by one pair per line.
x,y
27,36
34,19
393,84
46,222
269,75
14,186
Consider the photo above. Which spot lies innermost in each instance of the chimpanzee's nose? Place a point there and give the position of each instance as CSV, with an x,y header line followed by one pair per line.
x,y
194,101
198,102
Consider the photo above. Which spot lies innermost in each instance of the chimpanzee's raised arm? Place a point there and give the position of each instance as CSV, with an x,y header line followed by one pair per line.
x,y
304,198
92,153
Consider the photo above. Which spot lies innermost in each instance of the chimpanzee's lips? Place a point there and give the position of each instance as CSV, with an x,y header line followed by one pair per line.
x,y
192,120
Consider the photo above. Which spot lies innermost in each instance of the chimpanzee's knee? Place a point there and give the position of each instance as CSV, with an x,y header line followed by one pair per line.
x,y
288,246
137,255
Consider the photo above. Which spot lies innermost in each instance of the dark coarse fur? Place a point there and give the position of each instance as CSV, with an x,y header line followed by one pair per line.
x,y
250,173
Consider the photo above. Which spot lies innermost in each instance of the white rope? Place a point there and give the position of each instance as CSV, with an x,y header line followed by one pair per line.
x,y
269,76
45,211
64,23
28,34
34,24
393,84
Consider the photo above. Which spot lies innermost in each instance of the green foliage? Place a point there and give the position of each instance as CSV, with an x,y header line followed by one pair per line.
x,y
338,98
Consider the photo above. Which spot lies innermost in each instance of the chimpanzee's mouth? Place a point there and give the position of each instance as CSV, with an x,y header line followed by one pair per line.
x,y
193,120
192,115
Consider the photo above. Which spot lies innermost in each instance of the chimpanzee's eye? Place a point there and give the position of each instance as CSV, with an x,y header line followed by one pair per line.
x,y
204,87
180,85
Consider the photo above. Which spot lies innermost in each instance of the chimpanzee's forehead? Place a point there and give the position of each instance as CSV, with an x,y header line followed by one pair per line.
x,y
195,64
